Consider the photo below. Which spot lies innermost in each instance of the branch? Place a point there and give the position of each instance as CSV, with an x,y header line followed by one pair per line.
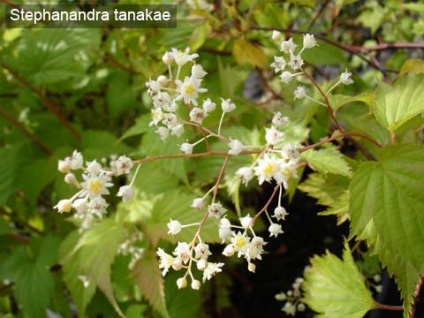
x,y
416,296
28,133
50,106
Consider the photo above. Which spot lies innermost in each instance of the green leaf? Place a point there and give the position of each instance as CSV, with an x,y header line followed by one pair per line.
x,y
386,207
8,168
324,54
330,190
327,160
29,268
246,52
412,66
149,280
95,252
335,288
397,104
120,94
338,100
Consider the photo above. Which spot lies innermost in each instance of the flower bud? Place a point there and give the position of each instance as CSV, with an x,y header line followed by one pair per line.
x,y
195,284
181,282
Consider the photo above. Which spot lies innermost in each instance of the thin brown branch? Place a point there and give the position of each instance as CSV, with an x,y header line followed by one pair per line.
x,y
416,296
25,130
46,102
267,204
388,307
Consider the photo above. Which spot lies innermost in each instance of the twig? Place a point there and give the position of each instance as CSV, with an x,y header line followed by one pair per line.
x,y
416,296
50,106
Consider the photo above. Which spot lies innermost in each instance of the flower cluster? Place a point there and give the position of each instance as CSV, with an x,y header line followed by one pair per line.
x,y
130,247
277,162
183,257
89,202
292,299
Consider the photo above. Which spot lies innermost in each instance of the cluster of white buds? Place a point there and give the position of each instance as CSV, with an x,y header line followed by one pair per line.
x,y
130,247
89,202
200,5
183,257
292,299
375,283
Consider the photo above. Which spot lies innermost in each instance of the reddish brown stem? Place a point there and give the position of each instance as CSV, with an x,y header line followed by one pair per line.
x,y
29,134
416,296
49,105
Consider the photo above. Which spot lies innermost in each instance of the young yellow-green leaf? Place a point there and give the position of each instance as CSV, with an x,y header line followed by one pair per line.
x,y
394,105
246,52
334,288
330,190
327,160
412,66
386,205
147,276
338,100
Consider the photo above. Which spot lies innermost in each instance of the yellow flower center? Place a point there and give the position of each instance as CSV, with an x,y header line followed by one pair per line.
x,y
95,186
240,242
189,89
269,168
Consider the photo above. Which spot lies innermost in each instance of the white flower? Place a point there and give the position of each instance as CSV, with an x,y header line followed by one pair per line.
x,y
246,221
245,174
126,192
286,77
162,80
183,57
227,106
165,261
153,87
224,231
309,41
177,130
301,307
267,168
277,35
170,120
81,205
208,105
198,203
189,90
295,62
229,250
186,148
76,160
240,243
168,58
122,165
183,251
299,92
216,210
278,120
345,78
251,267
195,284
162,100
201,251
279,64
288,46
280,296
236,147
93,168
64,206
181,282
163,133
71,179
64,166
255,248
211,269
157,115
275,229
98,205
200,5
201,264
95,186
273,136
289,309
280,213
174,227
197,115
197,71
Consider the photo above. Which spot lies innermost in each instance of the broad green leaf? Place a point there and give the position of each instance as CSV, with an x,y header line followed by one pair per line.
x,y
335,288
98,144
95,252
141,126
327,160
149,280
386,205
324,54
8,167
120,94
246,52
330,190
337,101
397,104
29,268
412,66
